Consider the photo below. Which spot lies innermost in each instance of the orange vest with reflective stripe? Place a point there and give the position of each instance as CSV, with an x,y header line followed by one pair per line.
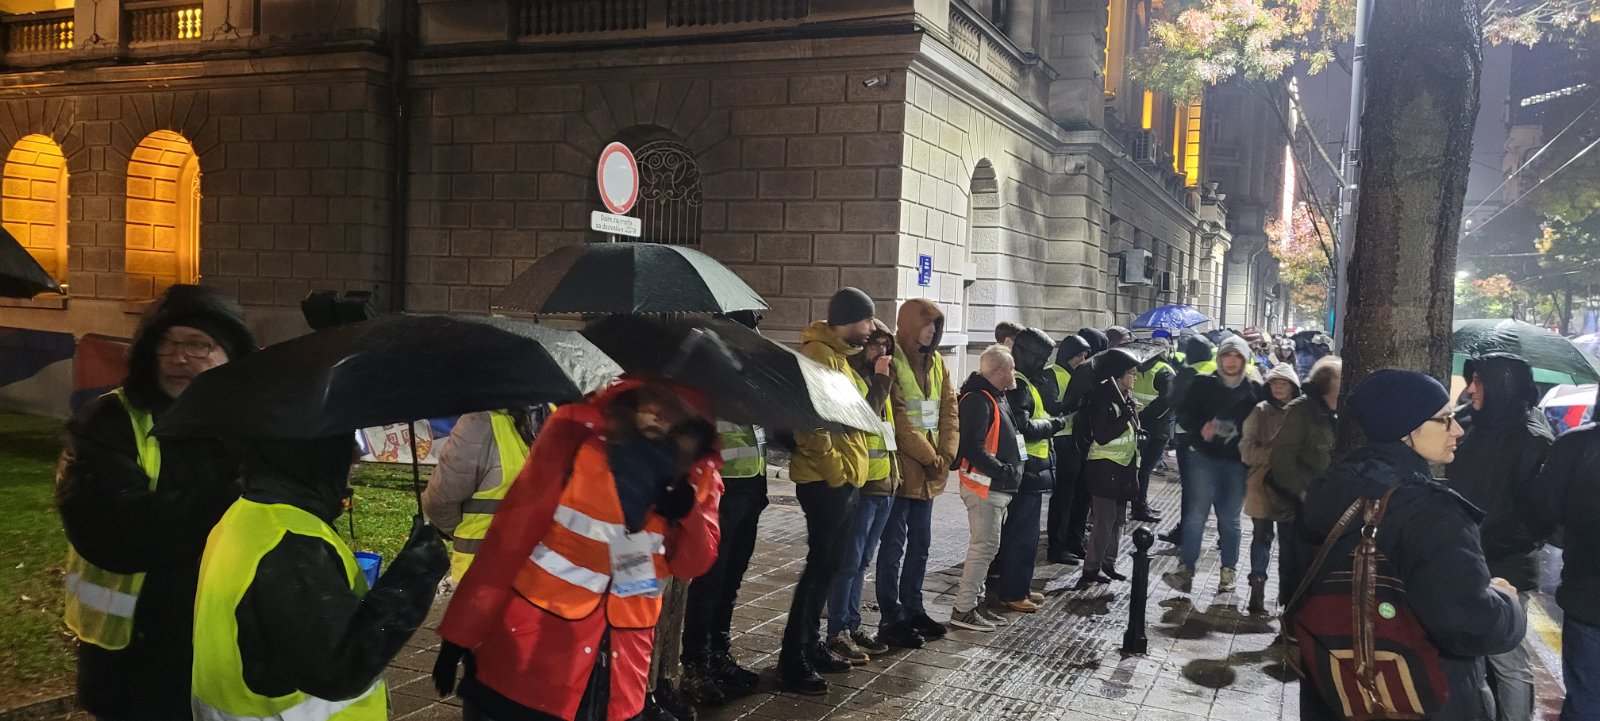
x,y
970,477
570,571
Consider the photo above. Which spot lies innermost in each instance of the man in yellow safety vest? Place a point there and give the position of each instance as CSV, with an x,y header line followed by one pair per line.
x,y
1152,390
136,512
1012,571
479,462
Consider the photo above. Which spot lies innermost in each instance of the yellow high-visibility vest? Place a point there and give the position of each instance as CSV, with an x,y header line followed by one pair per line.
x,y
478,511
100,604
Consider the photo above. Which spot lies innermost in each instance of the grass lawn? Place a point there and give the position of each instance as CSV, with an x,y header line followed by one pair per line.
x,y
36,650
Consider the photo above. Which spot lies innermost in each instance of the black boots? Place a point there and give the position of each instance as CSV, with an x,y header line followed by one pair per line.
x,y
663,704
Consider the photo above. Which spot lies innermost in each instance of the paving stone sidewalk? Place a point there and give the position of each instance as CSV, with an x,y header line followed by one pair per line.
x,y
1206,659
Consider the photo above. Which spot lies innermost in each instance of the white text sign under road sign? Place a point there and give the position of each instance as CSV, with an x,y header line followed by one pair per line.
x,y
616,224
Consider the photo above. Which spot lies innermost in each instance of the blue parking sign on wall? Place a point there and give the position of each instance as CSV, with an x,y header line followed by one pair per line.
x,y
924,270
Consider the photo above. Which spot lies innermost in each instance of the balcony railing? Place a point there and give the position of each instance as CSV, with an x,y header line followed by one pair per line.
x,y
983,45
692,13
546,18
160,21
38,32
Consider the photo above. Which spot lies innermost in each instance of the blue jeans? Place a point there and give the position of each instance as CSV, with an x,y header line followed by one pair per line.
x,y
1580,664
908,533
861,542
1213,483
1019,547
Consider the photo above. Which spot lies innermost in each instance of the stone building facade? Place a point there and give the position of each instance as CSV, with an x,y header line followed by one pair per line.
x,y
280,147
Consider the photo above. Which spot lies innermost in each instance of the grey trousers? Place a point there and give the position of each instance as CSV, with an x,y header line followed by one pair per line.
x,y
985,516
1511,680
1106,536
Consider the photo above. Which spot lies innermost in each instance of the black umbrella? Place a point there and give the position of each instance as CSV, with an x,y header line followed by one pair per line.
x,y
390,369
748,378
20,275
603,278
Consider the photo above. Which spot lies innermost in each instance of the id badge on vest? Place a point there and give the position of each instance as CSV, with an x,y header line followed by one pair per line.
x,y
633,569
888,438
1022,447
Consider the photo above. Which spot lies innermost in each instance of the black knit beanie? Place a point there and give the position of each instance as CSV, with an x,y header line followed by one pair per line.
x,y
849,305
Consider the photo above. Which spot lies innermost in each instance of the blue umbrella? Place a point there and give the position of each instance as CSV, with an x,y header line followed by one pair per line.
x,y
1171,317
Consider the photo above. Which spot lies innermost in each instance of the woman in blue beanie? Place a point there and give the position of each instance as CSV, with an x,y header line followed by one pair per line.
x,y
1429,536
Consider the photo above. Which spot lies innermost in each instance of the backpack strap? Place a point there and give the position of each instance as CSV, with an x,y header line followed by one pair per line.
x,y
1322,553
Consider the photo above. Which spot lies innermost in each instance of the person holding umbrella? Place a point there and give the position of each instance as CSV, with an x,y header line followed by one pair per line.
x,y
828,469
285,624
1111,467
925,433
559,609
137,510
479,462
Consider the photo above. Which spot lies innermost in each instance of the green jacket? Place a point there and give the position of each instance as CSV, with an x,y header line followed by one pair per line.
x,y
834,457
1303,447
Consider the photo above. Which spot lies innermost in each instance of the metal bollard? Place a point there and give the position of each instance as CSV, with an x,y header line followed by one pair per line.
x,y
1134,641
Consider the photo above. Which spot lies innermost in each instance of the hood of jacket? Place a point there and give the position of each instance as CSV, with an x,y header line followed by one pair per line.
x,y
859,363
820,332
1281,372
916,314
189,305
1234,344
1031,351
1070,347
313,475
1508,388
1095,338
1197,349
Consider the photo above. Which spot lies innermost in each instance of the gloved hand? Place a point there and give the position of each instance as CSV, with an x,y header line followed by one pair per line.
x,y
444,669
424,552
675,500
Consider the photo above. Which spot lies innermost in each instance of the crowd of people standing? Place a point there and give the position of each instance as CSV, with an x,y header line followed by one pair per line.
x,y
597,548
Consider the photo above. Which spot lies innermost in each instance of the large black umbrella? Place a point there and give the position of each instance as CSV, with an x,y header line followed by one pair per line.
x,y
20,275
391,369
748,378
604,278
1554,359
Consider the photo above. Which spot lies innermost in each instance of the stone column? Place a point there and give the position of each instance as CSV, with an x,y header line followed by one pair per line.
x,y
1021,23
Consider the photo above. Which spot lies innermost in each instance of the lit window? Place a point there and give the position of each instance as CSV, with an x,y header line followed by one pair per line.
x,y
162,243
35,202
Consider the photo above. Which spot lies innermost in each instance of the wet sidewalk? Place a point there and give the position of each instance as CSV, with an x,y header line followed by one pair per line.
x,y
1206,658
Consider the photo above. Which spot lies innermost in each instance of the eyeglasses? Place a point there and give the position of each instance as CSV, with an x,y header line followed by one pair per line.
x,y
192,349
1448,419
878,344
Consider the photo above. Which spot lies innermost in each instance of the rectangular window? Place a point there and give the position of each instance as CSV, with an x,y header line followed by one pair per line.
x,y
1191,145
1149,109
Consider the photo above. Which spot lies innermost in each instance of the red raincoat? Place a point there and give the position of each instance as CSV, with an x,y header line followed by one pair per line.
x,y
527,654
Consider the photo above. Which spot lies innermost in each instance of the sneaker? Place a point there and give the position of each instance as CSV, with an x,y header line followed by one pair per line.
x,y
844,647
901,635
1022,606
926,627
993,618
1226,584
1182,579
867,643
970,620
825,660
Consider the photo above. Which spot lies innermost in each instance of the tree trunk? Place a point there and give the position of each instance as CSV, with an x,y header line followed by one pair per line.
x,y
1416,146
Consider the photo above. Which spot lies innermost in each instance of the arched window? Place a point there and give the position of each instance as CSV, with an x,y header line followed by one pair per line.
x,y
163,221
979,303
34,205
670,198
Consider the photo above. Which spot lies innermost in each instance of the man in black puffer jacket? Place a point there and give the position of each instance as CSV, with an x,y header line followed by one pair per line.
x,y
1497,462
1567,496
122,522
1011,573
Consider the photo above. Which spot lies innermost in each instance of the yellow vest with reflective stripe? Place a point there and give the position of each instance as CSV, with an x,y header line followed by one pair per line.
x,y
100,604
922,408
1041,447
1144,385
744,450
246,533
1122,450
1063,377
880,446
478,511
1205,367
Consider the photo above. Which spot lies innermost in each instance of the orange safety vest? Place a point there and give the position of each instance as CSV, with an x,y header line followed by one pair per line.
x,y
970,477
588,556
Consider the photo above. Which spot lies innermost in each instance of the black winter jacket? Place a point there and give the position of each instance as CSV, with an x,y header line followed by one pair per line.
x,y
301,627
1430,536
1156,418
1038,474
1207,399
1004,467
1567,495
115,522
1497,461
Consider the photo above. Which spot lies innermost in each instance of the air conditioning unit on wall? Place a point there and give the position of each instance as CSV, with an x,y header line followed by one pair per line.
x,y
1138,267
